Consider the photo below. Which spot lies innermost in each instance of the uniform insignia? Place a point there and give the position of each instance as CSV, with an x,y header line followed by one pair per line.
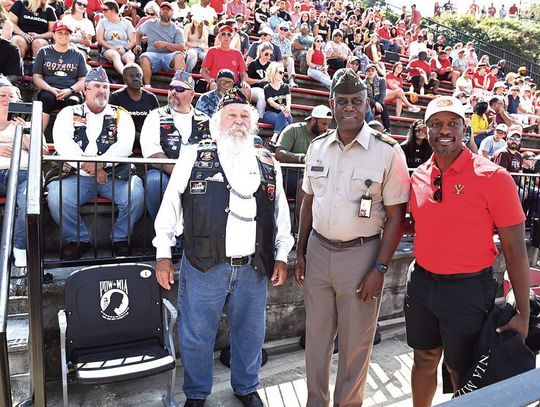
x,y
166,126
271,191
203,164
384,138
217,177
207,155
198,175
197,187
317,168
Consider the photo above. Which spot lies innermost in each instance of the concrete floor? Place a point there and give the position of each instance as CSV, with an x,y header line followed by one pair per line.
x,y
282,380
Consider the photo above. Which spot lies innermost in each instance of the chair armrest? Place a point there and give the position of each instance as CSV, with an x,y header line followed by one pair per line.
x,y
62,322
170,315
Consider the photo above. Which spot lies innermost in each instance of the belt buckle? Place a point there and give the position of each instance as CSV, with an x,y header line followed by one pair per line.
x,y
236,261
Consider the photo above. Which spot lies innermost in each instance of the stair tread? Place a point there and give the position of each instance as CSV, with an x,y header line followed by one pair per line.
x,y
17,333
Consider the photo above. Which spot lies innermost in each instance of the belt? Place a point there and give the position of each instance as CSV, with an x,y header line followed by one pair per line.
x,y
359,241
239,261
451,277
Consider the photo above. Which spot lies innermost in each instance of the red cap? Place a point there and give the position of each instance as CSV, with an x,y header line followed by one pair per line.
x,y
165,4
226,27
60,25
469,70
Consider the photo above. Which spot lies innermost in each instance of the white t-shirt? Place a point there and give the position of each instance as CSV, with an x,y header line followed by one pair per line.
x,y
6,137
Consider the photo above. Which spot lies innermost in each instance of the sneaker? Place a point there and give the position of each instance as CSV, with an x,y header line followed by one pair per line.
x,y
250,400
292,84
194,403
20,257
414,109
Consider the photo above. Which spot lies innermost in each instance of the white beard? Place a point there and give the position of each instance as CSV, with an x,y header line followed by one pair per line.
x,y
235,141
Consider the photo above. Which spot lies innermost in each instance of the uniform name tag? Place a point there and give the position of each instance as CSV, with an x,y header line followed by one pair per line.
x,y
317,168
197,187
365,207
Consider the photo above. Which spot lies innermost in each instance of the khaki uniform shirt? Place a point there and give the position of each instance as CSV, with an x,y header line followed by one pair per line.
x,y
336,175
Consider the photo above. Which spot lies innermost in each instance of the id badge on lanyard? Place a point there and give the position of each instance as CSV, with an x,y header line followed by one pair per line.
x,y
365,202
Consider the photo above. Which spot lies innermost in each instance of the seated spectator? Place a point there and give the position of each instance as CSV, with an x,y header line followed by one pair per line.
x,y
416,47
509,156
527,107
464,83
443,68
93,7
235,7
11,61
116,36
497,113
529,186
376,91
6,26
241,28
278,100
208,102
385,38
480,126
472,58
265,35
280,40
169,129
166,48
9,93
181,12
93,129
460,62
262,14
479,79
295,17
420,75
196,42
374,52
491,78
274,20
316,61
59,72
304,19
491,144
337,52
502,70
416,147
301,43
208,14
322,28
394,90
224,57
32,24
292,146
137,101
83,29
151,11
256,75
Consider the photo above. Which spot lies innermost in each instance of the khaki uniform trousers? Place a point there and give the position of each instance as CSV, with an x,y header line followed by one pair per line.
x,y
332,305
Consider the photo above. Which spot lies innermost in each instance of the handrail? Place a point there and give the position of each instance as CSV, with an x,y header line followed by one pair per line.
x,y
5,265
35,259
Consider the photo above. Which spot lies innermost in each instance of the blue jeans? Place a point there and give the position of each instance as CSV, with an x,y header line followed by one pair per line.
x,y
192,56
89,189
201,298
160,61
278,120
320,76
156,183
19,234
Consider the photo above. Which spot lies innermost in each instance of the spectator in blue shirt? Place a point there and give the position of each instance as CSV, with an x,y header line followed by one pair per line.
x,y
208,101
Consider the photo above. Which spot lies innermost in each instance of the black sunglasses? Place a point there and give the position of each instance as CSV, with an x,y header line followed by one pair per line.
x,y
178,89
79,3
437,182
225,34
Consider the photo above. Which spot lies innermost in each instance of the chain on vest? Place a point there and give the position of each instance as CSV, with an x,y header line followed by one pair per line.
x,y
109,132
171,139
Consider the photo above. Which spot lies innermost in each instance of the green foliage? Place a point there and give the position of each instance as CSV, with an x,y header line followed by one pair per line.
x,y
521,37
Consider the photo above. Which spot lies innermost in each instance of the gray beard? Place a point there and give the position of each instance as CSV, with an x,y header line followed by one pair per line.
x,y
235,140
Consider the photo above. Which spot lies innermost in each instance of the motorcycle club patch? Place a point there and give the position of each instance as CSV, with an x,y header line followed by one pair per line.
x,y
271,191
197,187
114,299
207,155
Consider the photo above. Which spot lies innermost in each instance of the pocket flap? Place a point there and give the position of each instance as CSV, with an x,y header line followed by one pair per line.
x,y
374,174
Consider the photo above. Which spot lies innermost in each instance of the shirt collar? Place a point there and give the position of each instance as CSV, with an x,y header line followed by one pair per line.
x,y
458,163
361,138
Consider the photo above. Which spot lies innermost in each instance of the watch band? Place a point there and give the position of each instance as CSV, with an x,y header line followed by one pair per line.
x,y
383,268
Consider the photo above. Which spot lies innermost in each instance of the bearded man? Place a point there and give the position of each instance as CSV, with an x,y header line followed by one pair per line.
x,y
227,198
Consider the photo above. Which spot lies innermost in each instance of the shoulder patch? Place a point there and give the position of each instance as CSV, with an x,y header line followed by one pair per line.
x,y
385,139
200,116
322,136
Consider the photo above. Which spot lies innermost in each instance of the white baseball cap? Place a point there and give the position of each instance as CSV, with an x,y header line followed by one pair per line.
x,y
445,104
502,127
320,112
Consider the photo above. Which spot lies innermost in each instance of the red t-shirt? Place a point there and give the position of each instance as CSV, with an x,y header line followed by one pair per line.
x,y
456,235
217,59
384,34
436,65
217,5
513,10
479,78
490,81
416,63
391,77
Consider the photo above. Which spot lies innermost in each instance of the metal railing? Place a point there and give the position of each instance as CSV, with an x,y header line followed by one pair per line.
x,y
5,265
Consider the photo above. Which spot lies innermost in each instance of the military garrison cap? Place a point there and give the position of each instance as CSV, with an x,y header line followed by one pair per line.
x,y
97,74
234,95
347,82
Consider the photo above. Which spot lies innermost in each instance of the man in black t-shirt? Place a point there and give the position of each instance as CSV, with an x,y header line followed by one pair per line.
x,y
11,62
136,100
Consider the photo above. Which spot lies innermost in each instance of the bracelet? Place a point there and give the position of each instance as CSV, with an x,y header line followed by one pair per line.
x,y
162,258
47,88
71,89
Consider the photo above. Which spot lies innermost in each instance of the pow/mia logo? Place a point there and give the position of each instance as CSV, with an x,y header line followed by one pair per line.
x,y
197,187
114,299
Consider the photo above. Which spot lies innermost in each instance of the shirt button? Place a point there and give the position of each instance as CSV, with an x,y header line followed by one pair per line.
x,y
340,171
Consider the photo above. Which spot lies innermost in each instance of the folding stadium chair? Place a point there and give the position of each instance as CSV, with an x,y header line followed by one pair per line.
x,y
116,327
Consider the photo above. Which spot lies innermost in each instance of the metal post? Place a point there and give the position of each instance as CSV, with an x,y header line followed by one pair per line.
x,y
35,264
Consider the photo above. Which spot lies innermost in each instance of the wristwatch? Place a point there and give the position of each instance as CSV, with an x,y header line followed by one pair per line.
x,y
383,268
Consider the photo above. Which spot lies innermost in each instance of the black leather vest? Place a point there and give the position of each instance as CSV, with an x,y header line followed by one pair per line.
x,y
109,131
205,204
171,139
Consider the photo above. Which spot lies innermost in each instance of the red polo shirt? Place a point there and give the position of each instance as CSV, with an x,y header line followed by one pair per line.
x,y
456,235
217,59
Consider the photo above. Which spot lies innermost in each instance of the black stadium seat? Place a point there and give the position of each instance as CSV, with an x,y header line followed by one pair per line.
x,y
116,327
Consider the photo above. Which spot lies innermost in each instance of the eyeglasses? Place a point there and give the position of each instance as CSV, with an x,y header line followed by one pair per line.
x,y
150,14
513,138
283,29
318,41
437,183
79,3
268,54
178,89
225,34
281,72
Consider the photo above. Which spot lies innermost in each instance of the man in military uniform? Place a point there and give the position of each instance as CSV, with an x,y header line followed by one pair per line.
x,y
228,198
92,129
357,187
164,132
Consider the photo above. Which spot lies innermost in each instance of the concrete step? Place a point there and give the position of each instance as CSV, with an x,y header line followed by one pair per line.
x,y
17,336
17,304
20,387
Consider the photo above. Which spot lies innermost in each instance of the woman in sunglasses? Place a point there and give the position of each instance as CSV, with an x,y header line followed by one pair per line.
x,y
151,11
196,42
256,75
278,100
316,61
83,28
322,28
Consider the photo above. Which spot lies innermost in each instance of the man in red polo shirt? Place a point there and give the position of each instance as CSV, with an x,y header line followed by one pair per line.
x,y
223,57
442,66
457,200
420,75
